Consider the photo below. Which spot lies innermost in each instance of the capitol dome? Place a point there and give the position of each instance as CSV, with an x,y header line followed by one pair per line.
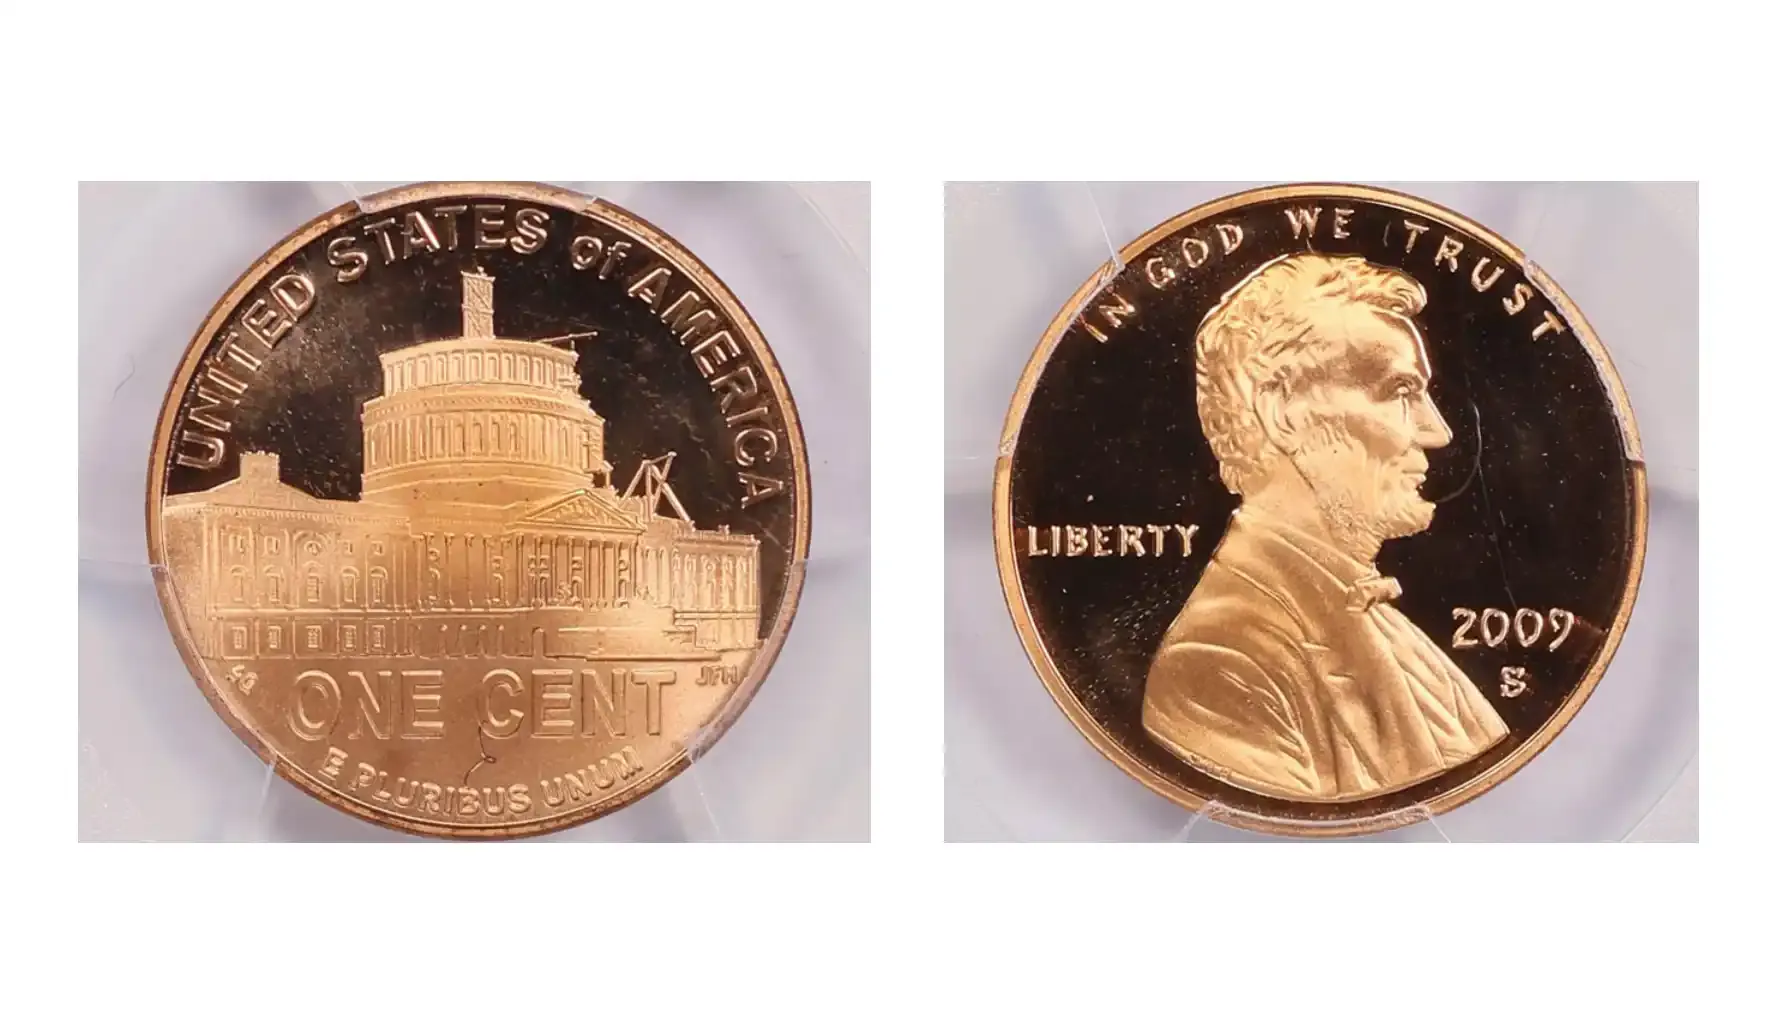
x,y
479,419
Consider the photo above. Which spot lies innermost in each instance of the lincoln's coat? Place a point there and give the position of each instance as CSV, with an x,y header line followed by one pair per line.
x,y
1290,673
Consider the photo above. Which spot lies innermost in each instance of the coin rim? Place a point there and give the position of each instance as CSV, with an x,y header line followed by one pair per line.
x,y
666,247
1210,805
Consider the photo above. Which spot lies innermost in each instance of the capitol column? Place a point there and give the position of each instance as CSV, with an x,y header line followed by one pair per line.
x,y
592,558
610,573
432,569
466,572
477,583
600,572
419,573
634,569
562,566
556,569
628,565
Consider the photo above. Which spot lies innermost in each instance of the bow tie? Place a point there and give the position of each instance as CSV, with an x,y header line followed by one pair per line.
x,y
1365,594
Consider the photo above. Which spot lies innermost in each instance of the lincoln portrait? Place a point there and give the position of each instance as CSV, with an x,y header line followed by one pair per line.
x,y
1290,671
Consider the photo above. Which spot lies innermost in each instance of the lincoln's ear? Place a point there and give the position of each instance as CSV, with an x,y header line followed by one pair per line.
x,y
1274,413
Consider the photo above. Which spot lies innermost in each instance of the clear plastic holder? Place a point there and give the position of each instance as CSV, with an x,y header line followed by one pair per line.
x,y
156,762
1016,767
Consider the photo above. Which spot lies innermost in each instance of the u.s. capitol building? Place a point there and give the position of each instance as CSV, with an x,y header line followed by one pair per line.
x,y
488,525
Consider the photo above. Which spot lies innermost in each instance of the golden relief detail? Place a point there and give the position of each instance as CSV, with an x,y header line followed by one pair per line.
x,y
487,526
1289,671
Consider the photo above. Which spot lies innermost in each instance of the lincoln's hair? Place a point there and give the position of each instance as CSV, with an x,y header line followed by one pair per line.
x,y
1274,330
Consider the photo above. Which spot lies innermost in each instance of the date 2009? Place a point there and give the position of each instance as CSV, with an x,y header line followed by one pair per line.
x,y
1494,627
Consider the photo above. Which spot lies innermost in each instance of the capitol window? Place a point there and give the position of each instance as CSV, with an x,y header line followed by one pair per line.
x,y
272,583
348,586
271,545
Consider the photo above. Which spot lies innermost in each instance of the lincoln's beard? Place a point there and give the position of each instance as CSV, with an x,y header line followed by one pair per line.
x,y
1362,499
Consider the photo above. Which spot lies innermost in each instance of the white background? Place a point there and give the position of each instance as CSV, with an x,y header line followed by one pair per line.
x,y
906,927
1626,254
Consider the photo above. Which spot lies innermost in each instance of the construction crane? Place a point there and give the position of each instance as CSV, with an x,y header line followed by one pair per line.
x,y
566,338
650,482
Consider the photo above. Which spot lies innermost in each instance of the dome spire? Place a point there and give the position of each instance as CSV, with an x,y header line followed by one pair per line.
x,y
475,304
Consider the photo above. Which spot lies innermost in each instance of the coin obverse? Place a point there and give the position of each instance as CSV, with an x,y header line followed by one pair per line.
x,y
1323,512
478,510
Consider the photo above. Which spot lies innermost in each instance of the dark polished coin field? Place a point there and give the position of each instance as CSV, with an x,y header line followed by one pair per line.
x,y
1521,581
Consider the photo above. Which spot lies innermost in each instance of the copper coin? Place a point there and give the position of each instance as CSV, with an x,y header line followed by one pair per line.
x,y
478,510
1324,510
